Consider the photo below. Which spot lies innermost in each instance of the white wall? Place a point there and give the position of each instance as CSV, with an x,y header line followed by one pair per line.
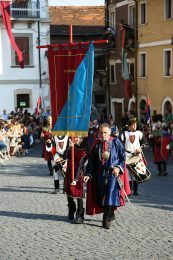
x,y
27,78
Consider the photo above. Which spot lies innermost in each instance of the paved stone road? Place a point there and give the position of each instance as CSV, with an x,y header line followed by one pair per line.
x,y
34,225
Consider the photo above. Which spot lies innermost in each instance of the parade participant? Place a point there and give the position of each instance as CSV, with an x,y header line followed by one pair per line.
x,y
74,188
161,139
60,160
47,143
105,165
93,133
114,129
132,140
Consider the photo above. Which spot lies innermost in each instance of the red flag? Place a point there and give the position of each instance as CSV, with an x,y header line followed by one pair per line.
x,y
127,89
5,11
148,109
39,102
125,69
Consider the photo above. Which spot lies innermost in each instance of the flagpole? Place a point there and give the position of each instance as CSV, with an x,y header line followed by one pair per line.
x,y
72,44
72,140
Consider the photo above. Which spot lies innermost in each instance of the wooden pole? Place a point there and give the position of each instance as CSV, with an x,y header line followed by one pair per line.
x,y
72,148
71,44
71,34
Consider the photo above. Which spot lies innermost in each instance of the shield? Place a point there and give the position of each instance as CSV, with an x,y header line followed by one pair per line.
x,y
132,138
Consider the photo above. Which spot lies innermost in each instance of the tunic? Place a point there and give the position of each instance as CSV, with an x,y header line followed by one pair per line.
x,y
103,189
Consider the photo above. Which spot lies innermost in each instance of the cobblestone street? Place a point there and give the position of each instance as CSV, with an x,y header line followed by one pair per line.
x,y
34,224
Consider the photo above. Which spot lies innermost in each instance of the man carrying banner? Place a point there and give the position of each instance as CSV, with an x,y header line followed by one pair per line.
x,y
105,166
161,140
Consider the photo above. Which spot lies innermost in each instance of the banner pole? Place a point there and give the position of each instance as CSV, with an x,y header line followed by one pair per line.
x,y
71,33
72,148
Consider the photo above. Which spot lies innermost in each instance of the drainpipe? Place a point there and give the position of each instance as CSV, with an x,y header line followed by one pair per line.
x,y
136,56
39,55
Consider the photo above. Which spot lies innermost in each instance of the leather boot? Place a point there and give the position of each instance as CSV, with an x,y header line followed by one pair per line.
x,y
79,216
56,185
72,210
112,216
107,217
135,188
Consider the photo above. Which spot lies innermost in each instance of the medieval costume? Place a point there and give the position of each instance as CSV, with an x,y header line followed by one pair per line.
x,y
93,134
47,145
103,190
60,160
74,188
132,140
161,139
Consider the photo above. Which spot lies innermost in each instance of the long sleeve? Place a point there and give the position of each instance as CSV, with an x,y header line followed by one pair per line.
x,y
120,162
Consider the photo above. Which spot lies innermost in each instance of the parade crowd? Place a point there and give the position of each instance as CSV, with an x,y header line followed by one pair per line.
x,y
109,161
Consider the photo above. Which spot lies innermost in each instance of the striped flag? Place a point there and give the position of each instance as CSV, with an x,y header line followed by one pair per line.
x,y
71,83
124,68
148,110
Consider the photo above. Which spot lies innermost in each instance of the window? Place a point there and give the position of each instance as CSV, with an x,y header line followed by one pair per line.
x,y
143,65
23,100
25,44
112,73
132,71
168,9
132,16
143,13
167,63
99,99
100,62
112,20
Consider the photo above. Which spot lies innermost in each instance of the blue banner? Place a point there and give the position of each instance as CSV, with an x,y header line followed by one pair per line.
x,y
73,120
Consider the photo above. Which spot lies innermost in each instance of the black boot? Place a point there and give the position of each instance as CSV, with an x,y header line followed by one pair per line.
x,y
165,169
159,169
56,185
135,188
107,217
112,216
72,209
79,216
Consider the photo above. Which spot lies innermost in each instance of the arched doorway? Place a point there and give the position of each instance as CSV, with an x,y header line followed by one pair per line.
x,y
167,112
132,108
142,111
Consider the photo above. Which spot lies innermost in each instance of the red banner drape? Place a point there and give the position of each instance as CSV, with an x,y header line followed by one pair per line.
x,y
5,11
62,69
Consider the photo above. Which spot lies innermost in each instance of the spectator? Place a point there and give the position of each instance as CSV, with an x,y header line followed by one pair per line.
x,y
4,115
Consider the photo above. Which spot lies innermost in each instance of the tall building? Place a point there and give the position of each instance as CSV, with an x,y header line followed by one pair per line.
x,y
155,52
120,18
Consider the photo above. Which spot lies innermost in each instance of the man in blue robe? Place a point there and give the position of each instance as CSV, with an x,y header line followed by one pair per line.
x,y
105,165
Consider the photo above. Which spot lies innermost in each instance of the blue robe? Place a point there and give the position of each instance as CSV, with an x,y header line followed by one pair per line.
x,y
106,184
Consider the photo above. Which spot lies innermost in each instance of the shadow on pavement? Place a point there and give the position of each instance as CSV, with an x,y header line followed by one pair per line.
x,y
22,215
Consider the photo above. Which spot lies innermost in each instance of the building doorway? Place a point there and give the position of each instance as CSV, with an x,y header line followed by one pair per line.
x,y
118,113
23,100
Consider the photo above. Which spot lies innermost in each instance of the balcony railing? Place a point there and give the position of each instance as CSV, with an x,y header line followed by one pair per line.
x,y
25,10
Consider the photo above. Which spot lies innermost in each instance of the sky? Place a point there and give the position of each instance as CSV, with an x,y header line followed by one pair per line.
x,y
75,2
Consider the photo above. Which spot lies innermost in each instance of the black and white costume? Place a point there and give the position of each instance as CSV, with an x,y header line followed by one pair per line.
x,y
60,159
